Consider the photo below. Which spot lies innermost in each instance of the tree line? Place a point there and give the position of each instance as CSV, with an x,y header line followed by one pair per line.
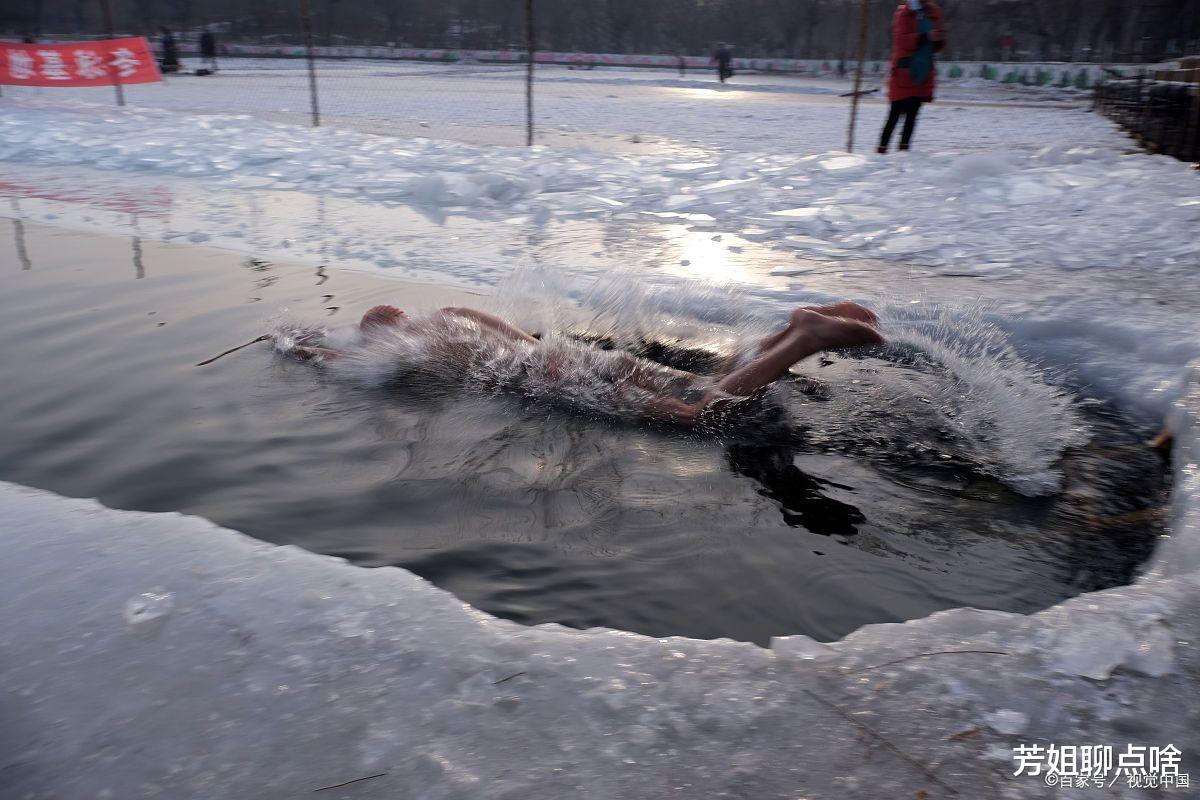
x,y
1034,30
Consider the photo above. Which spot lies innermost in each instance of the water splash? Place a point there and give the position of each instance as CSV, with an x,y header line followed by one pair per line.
x,y
627,308
447,352
971,393
1013,421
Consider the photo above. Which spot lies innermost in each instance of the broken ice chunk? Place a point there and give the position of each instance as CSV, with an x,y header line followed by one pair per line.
x,y
800,648
1007,721
147,607
1155,652
724,187
1092,650
689,168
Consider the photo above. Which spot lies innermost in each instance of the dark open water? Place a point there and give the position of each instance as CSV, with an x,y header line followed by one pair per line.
x,y
526,512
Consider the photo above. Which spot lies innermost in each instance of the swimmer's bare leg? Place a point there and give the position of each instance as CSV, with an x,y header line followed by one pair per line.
x,y
655,377
672,409
494,323
715,405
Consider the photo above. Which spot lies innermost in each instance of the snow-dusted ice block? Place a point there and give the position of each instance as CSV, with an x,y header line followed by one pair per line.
x,y
1180,554
156,655
954,208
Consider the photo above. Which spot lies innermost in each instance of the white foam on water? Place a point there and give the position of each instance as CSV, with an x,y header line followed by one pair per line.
x,y
447,352
1016,422
1013,419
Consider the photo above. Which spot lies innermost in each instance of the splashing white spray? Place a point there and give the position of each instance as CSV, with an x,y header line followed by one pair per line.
x,y
1005,416
1015,423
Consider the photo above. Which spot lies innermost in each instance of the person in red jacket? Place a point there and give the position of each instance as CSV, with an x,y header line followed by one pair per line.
x,y
916,35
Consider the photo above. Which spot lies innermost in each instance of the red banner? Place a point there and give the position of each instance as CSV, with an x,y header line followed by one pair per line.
x,y
98,63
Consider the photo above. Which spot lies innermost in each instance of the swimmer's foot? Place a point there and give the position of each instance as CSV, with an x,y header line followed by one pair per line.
x,y
842,310
380,317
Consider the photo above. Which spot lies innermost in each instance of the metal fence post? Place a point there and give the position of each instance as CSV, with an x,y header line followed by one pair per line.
x,y
530,47
306,20
862,49
106,10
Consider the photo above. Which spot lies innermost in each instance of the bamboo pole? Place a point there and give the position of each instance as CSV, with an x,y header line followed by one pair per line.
x,y
530,48
306,20
858,73
106,11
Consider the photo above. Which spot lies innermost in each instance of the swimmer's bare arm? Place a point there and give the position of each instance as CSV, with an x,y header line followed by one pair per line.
x,y
492,322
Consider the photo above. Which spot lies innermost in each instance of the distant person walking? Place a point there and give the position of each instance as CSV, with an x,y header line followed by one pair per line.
x,y
1007,45
916,35
208,50
169,59
724,60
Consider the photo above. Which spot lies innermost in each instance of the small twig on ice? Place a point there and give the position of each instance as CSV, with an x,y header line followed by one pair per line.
x,y
875,734
967,734
509,678
262,338
347,783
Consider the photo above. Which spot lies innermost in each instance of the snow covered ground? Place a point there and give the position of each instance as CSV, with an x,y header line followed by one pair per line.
x,y
603,109
1025,246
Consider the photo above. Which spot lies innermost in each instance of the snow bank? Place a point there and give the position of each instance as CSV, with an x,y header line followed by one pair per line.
x,y
157,655
1063,207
